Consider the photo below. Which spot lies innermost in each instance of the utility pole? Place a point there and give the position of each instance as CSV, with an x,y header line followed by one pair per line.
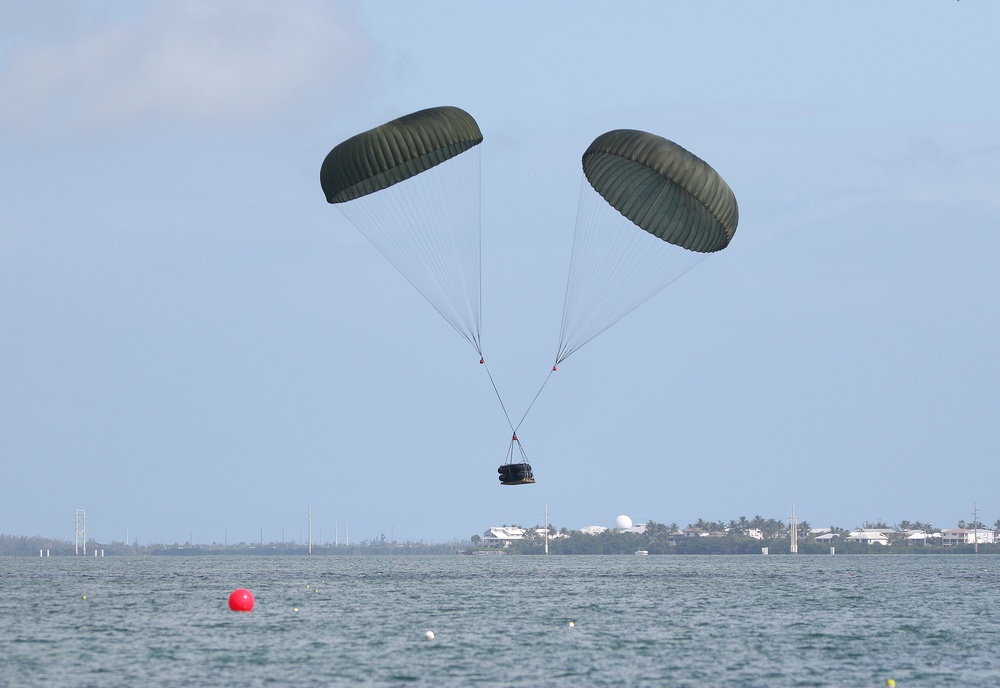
x,y
546,530
975,527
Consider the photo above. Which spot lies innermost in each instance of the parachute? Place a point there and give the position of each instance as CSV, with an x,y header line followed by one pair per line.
x,y
649,211
412,187
636,181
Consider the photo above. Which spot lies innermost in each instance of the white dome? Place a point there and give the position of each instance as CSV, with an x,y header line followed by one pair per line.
x,y
623,522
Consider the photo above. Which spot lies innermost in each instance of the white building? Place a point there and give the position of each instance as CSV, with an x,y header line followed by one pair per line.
x,y
966,536
694,532
919,538
868,536
501,536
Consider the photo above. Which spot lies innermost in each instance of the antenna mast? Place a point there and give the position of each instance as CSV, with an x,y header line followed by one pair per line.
x,y
81,531
794,528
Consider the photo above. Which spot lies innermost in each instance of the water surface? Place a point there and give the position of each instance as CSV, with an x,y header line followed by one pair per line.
x,y
767,621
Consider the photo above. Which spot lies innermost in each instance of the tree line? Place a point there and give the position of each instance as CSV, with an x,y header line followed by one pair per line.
x,y
729,537
30,546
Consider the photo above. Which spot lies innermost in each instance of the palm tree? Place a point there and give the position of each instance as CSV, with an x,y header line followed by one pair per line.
x,y
656,532
803,529
701,524
897,538
772,528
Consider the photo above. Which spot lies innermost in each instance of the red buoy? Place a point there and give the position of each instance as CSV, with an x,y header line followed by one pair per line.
x,y
241,600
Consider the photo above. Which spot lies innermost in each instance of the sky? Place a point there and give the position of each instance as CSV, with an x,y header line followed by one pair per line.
x,y
195,346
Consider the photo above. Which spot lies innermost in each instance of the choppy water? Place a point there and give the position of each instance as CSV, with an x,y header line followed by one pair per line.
x,y
643,621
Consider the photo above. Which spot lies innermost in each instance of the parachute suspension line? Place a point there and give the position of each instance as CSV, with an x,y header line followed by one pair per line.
x,y
615,267
510,450
508,476
544,382
429,228
564,350
497,391
477,211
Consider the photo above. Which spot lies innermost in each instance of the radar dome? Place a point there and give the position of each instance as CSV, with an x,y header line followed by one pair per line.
x,y
623,522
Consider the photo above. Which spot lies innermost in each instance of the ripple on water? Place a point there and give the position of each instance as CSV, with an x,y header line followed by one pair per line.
x,y
668,620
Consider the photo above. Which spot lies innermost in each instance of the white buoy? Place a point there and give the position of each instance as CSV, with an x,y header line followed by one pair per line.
x,y
429,635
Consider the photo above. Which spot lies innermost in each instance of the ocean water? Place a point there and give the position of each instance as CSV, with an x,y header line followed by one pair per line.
x,y
765,621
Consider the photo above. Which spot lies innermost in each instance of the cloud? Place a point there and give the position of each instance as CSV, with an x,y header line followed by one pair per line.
x,y
238,64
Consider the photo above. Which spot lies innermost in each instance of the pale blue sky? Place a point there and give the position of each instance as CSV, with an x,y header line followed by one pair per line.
x,y
195,342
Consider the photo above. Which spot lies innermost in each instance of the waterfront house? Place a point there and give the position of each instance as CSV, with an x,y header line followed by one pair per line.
x,y
868,536
966,536
502,536
920,538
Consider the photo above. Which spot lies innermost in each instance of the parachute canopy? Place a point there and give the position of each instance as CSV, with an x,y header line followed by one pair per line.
x,y
386,155
412,187
642,182
663,188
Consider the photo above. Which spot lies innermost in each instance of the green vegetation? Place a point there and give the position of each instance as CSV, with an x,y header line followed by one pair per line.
x,y
737,536
23,546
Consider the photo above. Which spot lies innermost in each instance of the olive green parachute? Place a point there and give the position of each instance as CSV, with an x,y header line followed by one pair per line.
x,y
662,188
636,181
412,187
386,155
